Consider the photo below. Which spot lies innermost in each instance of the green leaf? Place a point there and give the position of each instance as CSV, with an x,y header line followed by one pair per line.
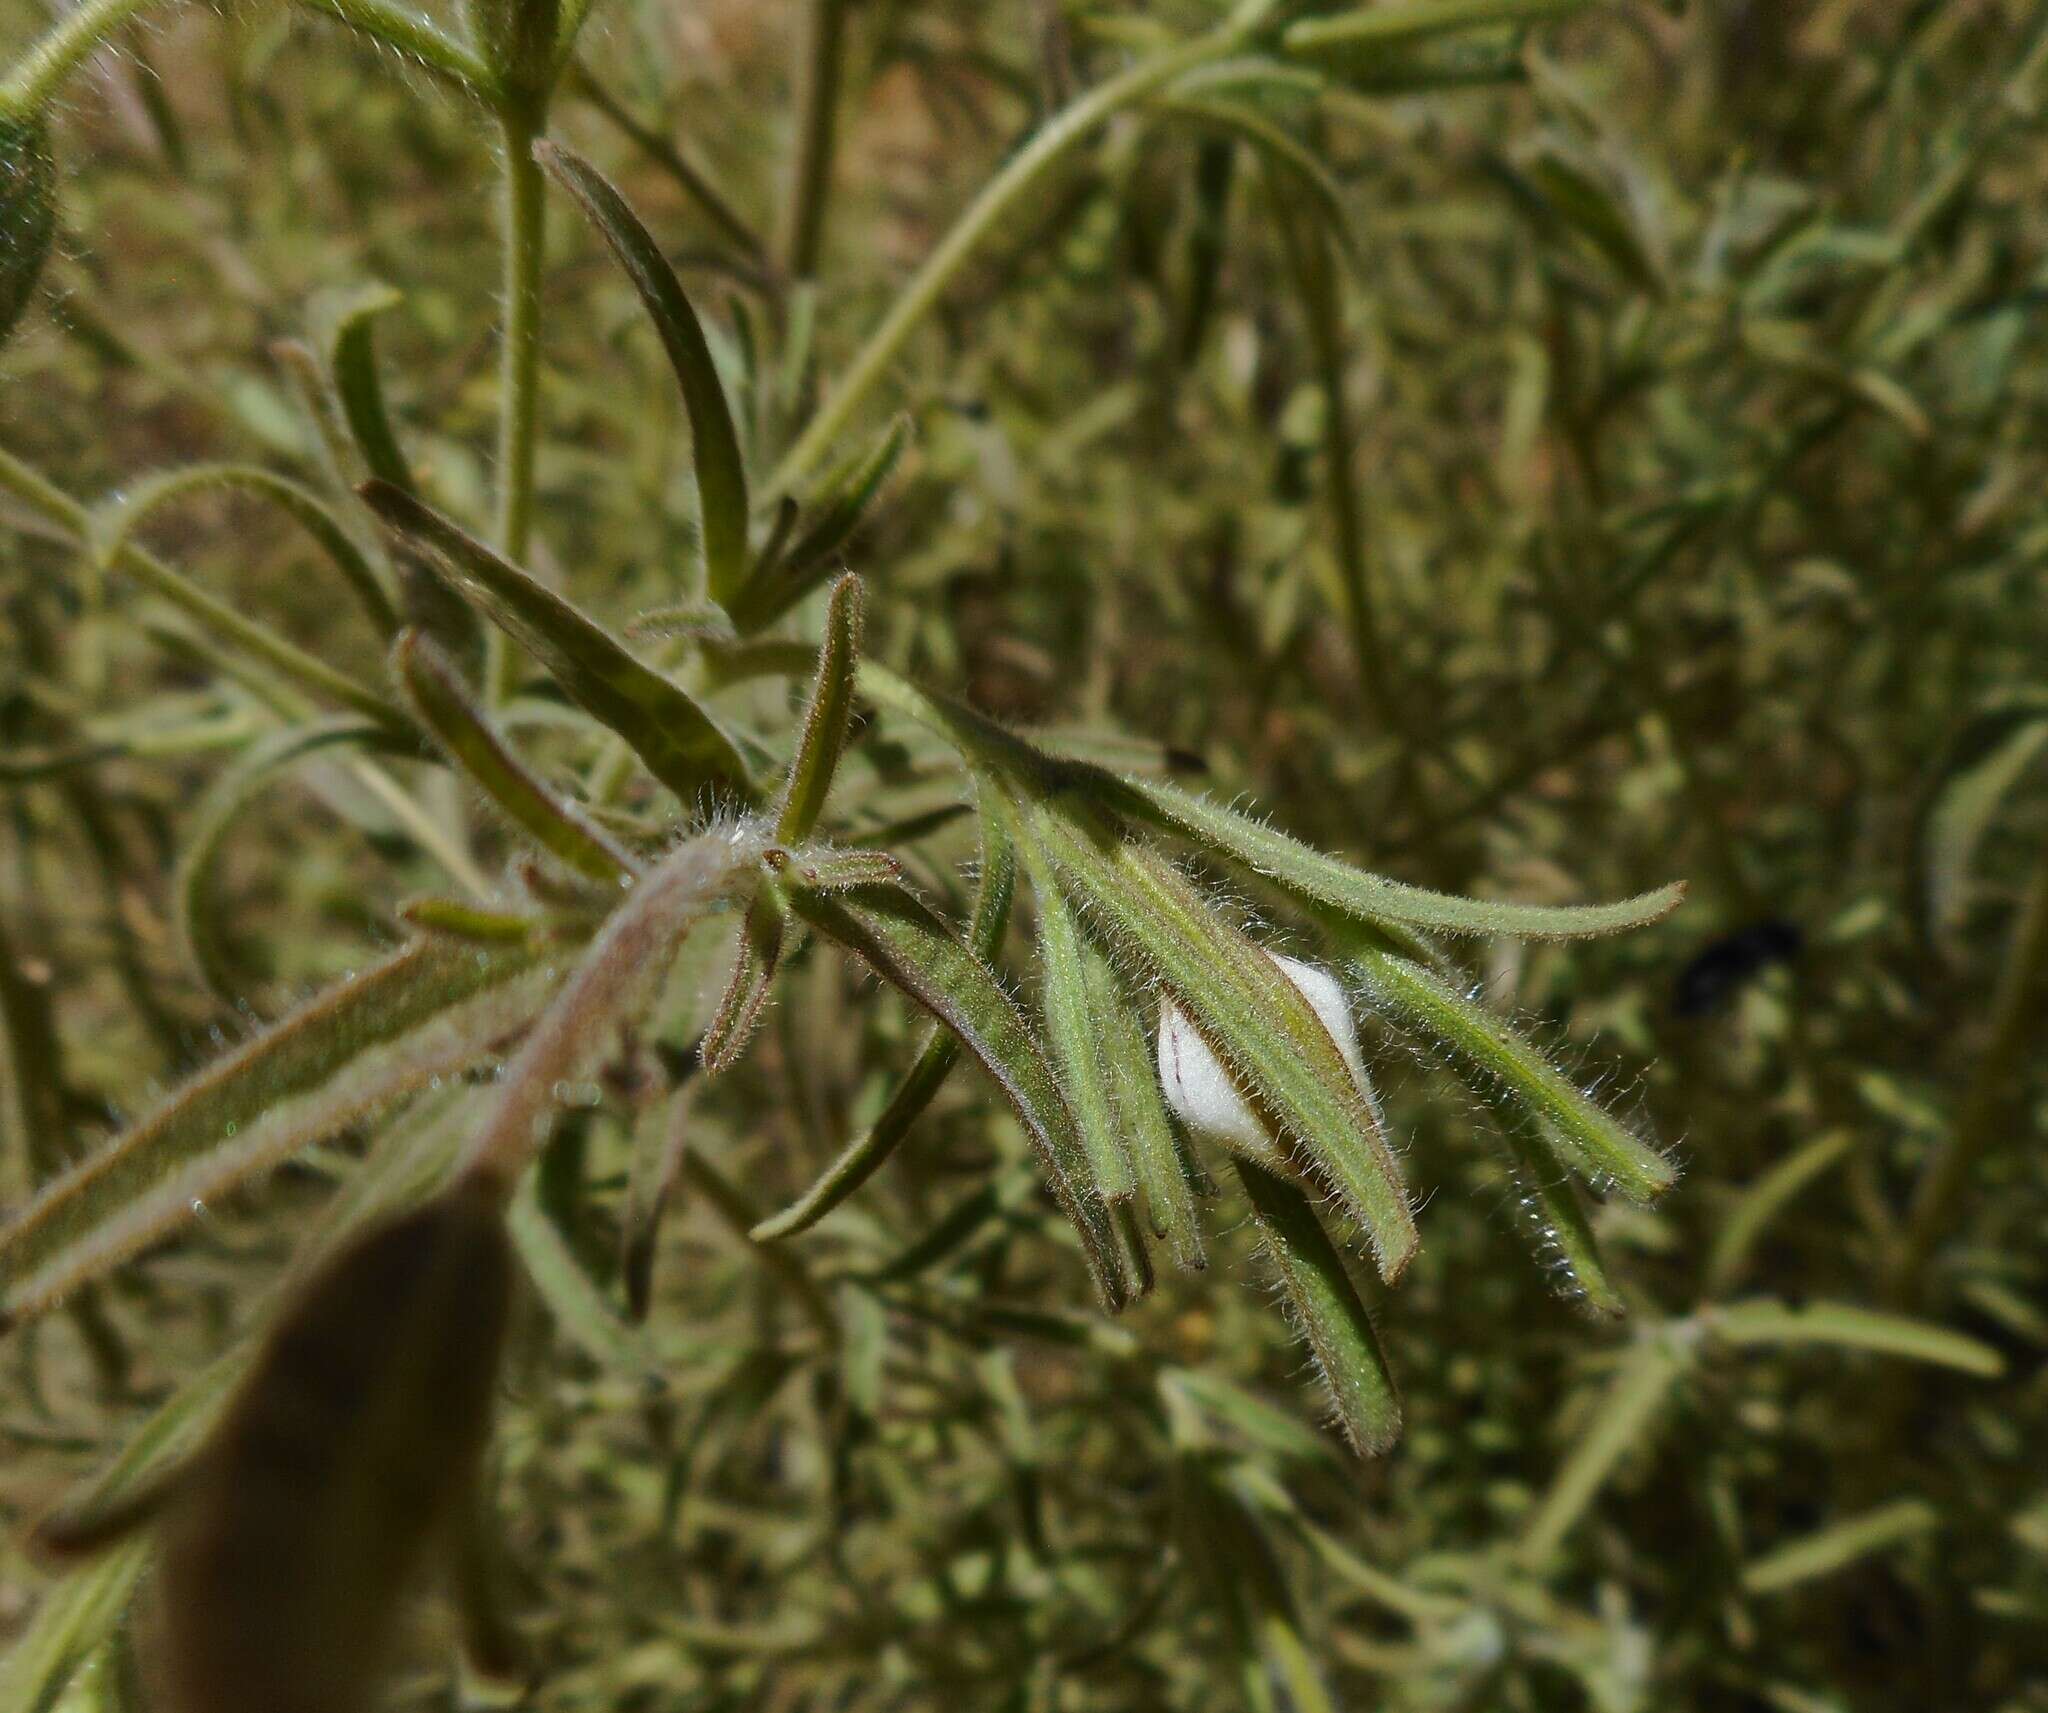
x,y
437,695
1405,21
1252,1017
1222,1541
864,1155
827,719
586,1318
1981,766
115,522
1597,1144
472,924
1842,1543
721,478
352,360
1551,1207
1071,1025
840,503
1747,1324
909,947
28,212
1132,1068
193,886
1761,1202
1327,1310
433,1009
1592,210
1307,873
679,742
756,958
1620,1424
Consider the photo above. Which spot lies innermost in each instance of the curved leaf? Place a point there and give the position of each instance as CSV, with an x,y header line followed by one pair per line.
x,y
915,952
1306,872
438,696
721,477
430,1010
680,743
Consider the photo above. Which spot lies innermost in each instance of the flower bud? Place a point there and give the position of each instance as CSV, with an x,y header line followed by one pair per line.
x,y
1203,1092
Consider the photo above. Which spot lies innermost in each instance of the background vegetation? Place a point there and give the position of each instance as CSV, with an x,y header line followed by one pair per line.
x,y
1621,460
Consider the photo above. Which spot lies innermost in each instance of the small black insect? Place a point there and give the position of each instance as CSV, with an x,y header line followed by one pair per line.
x,y
1725,965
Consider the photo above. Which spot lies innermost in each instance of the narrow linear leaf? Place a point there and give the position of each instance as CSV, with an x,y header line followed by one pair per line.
x,y
1281,151
865,1154
1221,1540
840,503
681,745
1133,1071
827,719
1402,21
1761,1202
1550,1205
1591,209
472,924
580,1308
1307,873
1071,1025
194,885
1328,1312
1840,1544
216,618
1255,1020
756,958
1598,1145
1620,1424
431,1010
1851,1328
437,695
827,868
352,360
116,522
721,478
916,953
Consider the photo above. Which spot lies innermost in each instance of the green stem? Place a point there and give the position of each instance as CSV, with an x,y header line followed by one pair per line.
x,y
690,178
292,663
414,35
519,373
1992,1092
823,61
999,198
65,47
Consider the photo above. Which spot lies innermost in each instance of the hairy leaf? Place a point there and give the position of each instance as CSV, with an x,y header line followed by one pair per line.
x,y
680,743
432,1009
914,951
436,694
721,478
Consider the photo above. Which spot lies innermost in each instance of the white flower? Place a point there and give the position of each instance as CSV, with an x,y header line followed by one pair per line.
x,y
1200,1088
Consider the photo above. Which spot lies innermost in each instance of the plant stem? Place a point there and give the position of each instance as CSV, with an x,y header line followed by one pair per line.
x,y
413,34
2015,1027
65,47
1058,138
819,78
690,178
519,372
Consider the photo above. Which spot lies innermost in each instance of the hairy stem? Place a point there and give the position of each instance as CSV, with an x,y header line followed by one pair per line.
x,y
68,44
519,356
616,974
